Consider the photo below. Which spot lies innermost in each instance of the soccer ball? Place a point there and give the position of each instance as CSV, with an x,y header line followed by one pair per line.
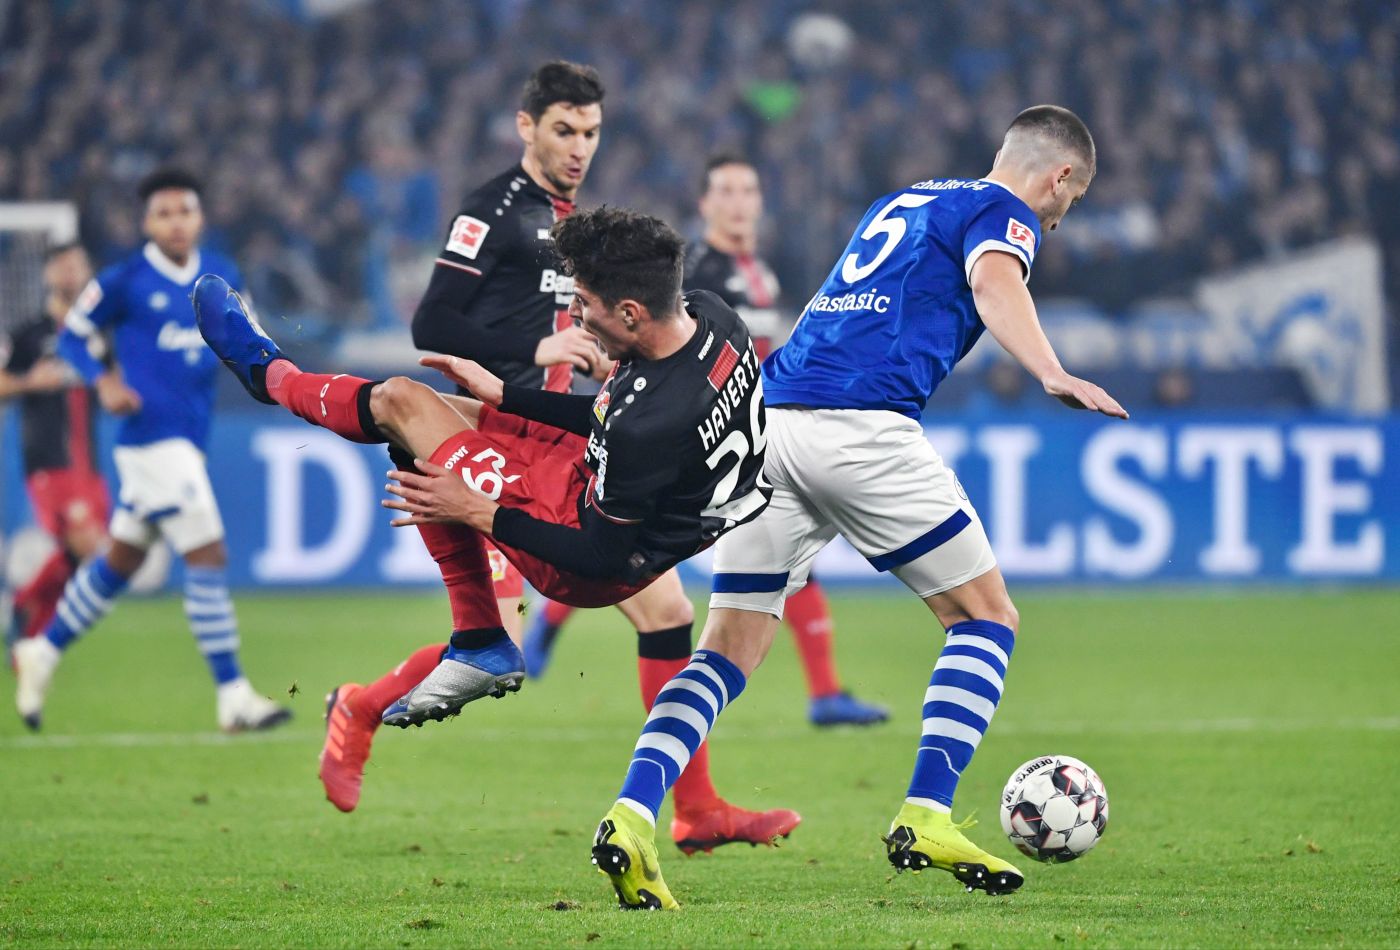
x,y
1054,808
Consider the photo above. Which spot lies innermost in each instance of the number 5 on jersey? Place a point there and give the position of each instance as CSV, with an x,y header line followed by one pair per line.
x,y
893,228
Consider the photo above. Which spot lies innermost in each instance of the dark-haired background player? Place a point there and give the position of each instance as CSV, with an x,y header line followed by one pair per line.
x,y
726,263
56,413
162,384
928,269
599,497
498,294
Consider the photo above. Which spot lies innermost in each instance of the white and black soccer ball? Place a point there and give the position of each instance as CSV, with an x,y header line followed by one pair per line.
x,y
1054,808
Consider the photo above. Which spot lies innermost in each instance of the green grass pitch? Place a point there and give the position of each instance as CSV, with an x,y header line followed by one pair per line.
x,y
1250,744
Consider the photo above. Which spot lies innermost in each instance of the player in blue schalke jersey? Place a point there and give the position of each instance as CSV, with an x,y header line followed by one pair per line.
x,y
928,269
160,379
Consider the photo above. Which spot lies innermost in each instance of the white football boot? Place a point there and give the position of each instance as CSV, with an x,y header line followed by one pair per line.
x,y
242,708
35,660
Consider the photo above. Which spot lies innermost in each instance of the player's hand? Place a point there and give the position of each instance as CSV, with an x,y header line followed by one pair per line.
x,y
477,379
116,396
574,345
434,495
603,368
48,375
1081,394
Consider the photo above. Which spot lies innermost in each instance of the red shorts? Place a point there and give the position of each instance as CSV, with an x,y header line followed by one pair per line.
x,y
539,469
66,498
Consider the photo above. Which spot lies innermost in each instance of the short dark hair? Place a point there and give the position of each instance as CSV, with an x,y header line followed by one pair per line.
x,y
62,248
719,160
164,178
560,81
1060,126
623,255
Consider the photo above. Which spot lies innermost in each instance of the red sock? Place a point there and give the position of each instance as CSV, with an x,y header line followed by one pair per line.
x,y
556,614
693,789
331,402
389,688
39,598
806,612
461,556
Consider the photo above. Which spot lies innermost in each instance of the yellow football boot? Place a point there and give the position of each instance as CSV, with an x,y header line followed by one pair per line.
x,y
625,850
923,838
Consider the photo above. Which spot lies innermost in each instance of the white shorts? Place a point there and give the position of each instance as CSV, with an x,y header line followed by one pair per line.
x,y
870,475
165,492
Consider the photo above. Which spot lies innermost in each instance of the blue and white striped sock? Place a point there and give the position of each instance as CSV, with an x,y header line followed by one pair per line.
x,y
681,717
210,612
961,699
87,597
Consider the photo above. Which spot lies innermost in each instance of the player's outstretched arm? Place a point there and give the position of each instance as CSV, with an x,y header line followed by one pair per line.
x,y
1006,308
561,410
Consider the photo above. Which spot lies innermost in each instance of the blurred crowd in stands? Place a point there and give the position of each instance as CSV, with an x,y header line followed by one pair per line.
x,y
337,138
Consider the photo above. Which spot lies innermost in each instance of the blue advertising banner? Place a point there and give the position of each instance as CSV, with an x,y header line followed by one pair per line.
x,y
1064,497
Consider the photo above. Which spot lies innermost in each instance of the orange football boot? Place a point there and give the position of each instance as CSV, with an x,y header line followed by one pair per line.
x,y
348,737
706,827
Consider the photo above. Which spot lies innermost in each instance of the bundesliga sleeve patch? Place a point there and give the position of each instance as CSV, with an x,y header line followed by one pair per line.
x,y
725,362
467,236
1021,236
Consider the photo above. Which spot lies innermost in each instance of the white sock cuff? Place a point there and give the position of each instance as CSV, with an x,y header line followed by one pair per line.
x,y
639,808
930,804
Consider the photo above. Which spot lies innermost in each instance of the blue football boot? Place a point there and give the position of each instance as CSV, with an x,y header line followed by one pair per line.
x,y
233,334
461,677
843,709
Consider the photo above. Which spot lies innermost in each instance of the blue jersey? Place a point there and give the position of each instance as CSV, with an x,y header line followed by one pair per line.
x,y
144,302
896,312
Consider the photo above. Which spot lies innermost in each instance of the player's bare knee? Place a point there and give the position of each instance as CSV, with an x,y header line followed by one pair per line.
x,y
393,400
675,611
1006,614
125,559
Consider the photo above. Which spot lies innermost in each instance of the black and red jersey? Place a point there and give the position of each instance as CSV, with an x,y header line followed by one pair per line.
x,y
747,284
675,447
498,287
56,428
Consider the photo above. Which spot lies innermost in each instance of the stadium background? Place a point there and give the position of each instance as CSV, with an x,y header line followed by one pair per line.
x,y
1234,264
1232,276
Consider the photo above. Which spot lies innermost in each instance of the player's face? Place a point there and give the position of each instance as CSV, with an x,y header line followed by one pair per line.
x,y
561,144
66,274
733,203
174,222
608,324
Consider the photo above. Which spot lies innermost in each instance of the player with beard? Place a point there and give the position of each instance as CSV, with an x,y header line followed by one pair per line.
x,y
500,296
57,442
725,262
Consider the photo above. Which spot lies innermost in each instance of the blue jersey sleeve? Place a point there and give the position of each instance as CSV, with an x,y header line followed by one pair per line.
x,y
999,226
98,307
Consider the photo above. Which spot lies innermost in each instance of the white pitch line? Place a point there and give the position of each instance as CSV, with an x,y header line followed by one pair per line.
x,y
1164,727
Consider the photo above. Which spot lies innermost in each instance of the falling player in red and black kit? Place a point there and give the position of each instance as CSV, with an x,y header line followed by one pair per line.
x,y
592,498
68,494
725,263
499,295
